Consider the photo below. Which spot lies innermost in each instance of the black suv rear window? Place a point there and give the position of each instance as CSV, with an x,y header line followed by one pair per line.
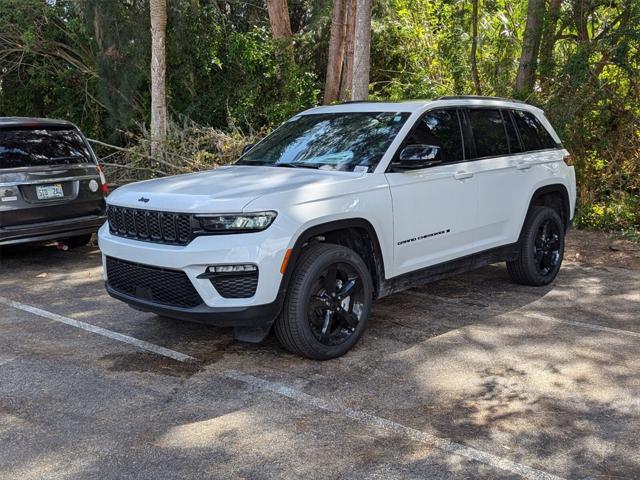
x,y
533,134
26,147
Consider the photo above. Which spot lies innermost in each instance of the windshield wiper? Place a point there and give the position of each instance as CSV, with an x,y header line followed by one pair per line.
x,y
66,157
295,165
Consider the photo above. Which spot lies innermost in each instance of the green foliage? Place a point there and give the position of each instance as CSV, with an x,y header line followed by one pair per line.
x,y
230,74
618,213
260,72
43,62
223,68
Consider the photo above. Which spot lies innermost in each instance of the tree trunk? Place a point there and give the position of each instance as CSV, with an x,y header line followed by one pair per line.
x,y
474,49
581,19
361,51
336,52
346,84
545,66
158,9
279,19
525,78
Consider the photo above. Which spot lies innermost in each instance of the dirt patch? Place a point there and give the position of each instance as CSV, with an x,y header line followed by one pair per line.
x,y
602,249
206,354
151,363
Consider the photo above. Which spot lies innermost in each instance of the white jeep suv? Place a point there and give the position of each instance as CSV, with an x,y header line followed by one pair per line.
x,y
339,206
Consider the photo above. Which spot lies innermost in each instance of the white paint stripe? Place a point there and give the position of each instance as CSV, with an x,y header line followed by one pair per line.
x,y
4,361
389,425
592,326
165,352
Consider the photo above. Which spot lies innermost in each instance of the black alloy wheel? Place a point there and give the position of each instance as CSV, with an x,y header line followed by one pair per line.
x,y
335,309
547,247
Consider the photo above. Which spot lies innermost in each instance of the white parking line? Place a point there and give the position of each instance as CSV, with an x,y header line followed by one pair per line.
x,y
4,361
389,425
592,326
166,352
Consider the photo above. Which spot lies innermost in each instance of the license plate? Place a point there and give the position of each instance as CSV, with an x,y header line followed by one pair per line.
x,y
46,192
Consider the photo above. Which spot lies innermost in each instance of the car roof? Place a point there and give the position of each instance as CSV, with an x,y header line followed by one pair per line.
x,y
13,122
411,106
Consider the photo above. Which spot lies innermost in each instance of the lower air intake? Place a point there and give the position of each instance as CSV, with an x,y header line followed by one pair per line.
x,y
152,284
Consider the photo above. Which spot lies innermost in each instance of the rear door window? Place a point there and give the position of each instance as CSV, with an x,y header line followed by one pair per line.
x,y
28,147
512,135
441,129
489,132
533,134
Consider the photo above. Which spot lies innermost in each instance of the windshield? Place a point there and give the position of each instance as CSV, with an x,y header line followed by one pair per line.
x,y
350,142
26,147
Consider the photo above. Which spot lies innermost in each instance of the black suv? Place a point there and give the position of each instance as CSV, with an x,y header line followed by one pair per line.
x,y
51,186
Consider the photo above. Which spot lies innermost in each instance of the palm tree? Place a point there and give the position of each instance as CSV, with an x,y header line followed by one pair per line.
x,y
158,10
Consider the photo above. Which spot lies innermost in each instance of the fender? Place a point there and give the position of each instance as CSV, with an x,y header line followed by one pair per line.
x,y
544,190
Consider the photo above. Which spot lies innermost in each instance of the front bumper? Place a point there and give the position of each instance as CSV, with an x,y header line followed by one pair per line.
x,y
54,230
251,317
264,249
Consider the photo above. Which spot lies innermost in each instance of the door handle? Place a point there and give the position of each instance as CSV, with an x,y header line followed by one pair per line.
x,y
523,165
461,175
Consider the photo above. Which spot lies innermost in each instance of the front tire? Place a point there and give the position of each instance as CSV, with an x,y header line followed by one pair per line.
x,y
541,249
328,303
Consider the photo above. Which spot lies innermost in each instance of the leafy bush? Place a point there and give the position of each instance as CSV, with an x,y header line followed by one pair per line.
x,y
618,213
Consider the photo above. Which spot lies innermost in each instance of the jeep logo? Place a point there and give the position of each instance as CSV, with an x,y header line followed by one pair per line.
x,y
143,199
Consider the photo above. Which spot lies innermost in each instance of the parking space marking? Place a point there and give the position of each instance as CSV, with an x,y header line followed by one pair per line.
x,y
443,444
592,326
4,361
157,349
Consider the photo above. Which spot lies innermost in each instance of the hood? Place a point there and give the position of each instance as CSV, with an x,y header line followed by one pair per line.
x,y
226,189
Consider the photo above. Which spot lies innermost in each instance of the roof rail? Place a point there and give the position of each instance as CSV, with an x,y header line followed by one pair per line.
x,y
479,97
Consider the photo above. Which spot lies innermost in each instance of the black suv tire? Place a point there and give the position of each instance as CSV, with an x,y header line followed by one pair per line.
x,y
314,321
77,242
541,248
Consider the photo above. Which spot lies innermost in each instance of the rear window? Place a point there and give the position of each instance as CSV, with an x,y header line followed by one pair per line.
x,y
533,134
42,147
514,143
488,132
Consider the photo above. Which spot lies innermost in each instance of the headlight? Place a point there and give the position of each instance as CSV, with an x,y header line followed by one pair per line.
x,y
240,222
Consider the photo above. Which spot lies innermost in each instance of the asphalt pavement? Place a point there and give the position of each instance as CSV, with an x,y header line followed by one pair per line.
x,y
470,377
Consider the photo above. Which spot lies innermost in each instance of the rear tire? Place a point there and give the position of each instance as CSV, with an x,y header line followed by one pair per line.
x,y
541,249
77,242
327,304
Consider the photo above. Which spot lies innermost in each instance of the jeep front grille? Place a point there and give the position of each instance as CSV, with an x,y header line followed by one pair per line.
x,y
150,225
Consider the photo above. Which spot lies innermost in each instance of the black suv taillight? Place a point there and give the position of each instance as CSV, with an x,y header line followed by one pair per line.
x,y
103,181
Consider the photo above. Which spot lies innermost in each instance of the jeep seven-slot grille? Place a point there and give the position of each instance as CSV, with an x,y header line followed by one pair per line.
x,y
150,225
152,284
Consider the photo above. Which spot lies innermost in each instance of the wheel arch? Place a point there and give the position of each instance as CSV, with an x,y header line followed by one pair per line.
x,y
356,233
556,196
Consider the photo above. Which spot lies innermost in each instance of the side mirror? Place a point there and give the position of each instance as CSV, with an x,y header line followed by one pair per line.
x,y
247,147
415,157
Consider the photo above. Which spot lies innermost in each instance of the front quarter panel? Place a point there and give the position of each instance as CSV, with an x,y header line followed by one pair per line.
x,y
367,197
